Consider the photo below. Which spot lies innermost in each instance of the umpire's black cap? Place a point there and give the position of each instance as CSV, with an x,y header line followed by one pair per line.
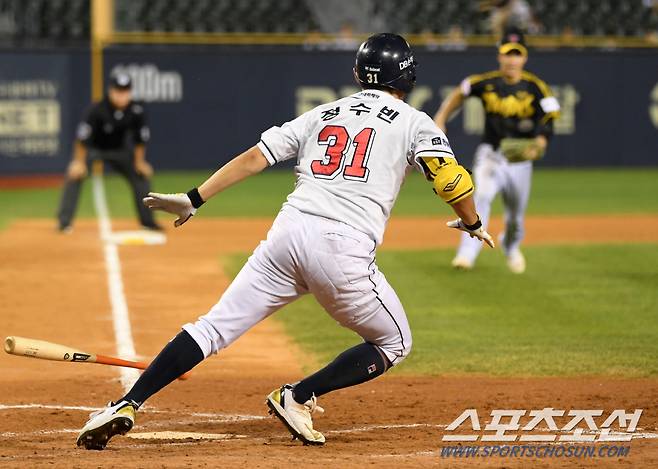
x,y
121,81
513,40
385,61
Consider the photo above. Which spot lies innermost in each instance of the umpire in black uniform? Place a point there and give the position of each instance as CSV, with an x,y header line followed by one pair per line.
x,y
115,131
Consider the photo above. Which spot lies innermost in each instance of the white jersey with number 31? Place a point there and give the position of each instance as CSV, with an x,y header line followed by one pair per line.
x,y
353,155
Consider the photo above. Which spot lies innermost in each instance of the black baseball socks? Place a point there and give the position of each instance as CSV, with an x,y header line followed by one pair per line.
x,y
179,356
354,366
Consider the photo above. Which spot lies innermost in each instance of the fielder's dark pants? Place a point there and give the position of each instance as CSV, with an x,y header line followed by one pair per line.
x,y
122,162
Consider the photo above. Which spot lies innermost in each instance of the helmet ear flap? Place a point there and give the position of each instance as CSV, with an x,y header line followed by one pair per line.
x,y
362,83
405,82
356,75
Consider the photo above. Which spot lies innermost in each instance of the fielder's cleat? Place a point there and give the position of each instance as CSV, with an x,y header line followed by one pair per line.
x,y
296,417
516,261
65,229
115,419
461,263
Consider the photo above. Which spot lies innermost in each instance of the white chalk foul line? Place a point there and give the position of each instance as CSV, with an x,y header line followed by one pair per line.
x,y
120,316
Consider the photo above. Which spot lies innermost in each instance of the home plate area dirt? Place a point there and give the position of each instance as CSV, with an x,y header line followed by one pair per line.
x,y
54,287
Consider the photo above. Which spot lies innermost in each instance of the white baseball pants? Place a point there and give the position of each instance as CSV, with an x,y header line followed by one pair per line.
x,y
492,173
309,254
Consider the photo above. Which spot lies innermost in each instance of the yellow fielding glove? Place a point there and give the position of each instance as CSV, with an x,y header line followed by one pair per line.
x,y
521,149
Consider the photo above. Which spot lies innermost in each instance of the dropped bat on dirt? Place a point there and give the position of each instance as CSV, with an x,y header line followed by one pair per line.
x,y
34,348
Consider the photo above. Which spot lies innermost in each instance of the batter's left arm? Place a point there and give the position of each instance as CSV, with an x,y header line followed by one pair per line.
x,y
454,185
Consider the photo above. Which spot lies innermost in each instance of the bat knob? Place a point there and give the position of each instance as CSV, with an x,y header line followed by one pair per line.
x,y
9,344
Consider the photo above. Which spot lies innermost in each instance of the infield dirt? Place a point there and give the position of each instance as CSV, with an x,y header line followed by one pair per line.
x,y
54,287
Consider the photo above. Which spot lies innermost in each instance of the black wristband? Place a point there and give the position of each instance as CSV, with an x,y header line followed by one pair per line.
x,y
475,226
195,198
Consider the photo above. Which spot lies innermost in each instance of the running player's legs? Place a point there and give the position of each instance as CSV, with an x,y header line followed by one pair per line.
x,y
356,294
488,179
266,283
386,325
339,269
516,193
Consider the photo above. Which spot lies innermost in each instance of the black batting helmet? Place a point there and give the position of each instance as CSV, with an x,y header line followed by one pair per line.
x,y
385,61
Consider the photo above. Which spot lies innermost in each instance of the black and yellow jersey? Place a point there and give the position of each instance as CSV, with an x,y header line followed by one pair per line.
x,y
523,109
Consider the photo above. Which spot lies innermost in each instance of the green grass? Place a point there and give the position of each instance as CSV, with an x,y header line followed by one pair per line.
x,y
578,310
554,192
586,310
559,191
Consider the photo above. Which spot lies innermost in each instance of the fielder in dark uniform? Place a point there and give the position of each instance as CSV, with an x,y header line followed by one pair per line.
x,y
115,131
519,113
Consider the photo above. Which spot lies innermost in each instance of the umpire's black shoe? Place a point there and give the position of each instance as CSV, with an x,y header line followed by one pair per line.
x,y
152,226
64,229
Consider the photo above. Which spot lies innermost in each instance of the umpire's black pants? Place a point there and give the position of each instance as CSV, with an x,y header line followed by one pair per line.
x,y
122,162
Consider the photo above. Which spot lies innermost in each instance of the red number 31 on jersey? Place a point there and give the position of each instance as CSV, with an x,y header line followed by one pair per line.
x,y
337,140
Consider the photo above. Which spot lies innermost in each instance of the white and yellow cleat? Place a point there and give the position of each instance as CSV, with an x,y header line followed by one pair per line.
x,y
461,263
115,419
296,417
516,261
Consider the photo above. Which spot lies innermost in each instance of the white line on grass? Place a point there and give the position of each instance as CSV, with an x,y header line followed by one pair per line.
x,y
120,316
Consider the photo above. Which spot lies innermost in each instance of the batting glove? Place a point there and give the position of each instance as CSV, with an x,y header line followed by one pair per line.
x,y
178,204
475,230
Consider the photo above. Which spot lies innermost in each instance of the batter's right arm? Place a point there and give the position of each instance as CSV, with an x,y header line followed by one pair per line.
x,y
449,105
241,167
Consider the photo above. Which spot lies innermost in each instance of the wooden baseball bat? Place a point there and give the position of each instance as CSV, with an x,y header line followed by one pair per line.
x,y
34,348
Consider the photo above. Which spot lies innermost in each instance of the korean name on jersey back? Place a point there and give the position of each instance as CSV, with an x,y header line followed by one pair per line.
x,y
353,155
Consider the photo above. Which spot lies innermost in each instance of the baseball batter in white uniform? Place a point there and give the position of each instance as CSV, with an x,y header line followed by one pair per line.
x,y
352,156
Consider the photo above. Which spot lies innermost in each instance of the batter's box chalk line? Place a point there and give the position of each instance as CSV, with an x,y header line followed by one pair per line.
x,y
172,435
211,417
143,410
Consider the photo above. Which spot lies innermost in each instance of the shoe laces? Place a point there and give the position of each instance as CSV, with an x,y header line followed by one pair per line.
x,y
100,411
109,404
312,405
